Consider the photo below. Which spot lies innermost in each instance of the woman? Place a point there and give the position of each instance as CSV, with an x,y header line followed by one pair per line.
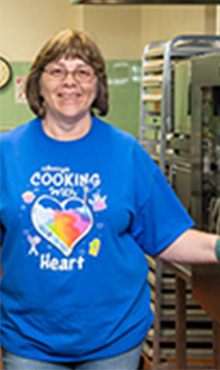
x,y
82,203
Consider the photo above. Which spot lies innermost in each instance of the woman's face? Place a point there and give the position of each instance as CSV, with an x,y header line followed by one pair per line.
x,y
69,87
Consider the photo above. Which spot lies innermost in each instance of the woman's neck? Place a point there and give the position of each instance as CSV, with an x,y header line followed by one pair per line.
x,y
68,129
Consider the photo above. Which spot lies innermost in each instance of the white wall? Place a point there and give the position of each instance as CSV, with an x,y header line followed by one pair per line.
x,y
123,31
218,20
25,25
120,30
161,23
117,29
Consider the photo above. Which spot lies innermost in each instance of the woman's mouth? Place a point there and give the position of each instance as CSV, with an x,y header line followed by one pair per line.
x,y
69,96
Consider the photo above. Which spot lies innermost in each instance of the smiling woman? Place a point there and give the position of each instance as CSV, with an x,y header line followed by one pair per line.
x,y
82,203
69,69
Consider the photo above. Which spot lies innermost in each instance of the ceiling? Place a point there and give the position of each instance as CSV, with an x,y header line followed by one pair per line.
x,y
136,2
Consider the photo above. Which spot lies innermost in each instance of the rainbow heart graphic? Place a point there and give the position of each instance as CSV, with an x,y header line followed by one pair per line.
x,y
63,224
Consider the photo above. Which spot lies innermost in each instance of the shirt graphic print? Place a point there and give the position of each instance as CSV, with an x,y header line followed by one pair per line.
x,y
63,205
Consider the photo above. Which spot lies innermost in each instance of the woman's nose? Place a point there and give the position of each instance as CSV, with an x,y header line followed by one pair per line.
x,y
70,77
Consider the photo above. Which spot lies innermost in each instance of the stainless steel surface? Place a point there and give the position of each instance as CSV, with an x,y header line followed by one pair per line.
x,y
180,179
206,180
163,56
205,135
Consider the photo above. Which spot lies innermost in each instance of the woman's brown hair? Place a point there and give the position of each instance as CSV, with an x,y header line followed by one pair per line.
x,y
68,44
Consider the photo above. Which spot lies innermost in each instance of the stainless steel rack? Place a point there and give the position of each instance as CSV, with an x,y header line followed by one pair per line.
x,y
159,137
157,110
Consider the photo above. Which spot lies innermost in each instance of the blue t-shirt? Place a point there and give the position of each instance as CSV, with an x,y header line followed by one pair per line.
x,y
77,219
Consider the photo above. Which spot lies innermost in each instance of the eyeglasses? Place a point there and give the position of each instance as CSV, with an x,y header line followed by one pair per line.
x,y
81,74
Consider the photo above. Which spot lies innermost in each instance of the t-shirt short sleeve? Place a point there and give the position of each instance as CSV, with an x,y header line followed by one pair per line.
x,y
161,218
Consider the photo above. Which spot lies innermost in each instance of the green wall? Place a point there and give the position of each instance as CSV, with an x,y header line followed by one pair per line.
x,y
13,113
124,81
124,96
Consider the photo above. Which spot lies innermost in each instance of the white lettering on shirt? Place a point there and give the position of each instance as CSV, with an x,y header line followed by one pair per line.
x,y
52,263
70,180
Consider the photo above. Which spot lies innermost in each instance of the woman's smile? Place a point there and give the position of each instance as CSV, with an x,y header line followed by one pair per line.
x,y
69,96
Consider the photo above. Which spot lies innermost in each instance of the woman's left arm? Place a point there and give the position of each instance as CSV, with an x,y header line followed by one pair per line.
x,y
192,247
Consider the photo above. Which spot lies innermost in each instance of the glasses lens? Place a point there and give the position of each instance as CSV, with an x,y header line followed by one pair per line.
x,y
57,72
84,74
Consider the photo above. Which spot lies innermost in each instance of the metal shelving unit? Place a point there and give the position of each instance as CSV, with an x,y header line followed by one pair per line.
x,y
151,97
157,111
160,138
205,198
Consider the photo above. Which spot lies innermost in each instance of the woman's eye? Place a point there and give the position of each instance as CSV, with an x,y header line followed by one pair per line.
x,y
57,72
84,72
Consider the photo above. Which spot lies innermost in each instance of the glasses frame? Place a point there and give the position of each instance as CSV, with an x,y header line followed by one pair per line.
x,y
73,73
